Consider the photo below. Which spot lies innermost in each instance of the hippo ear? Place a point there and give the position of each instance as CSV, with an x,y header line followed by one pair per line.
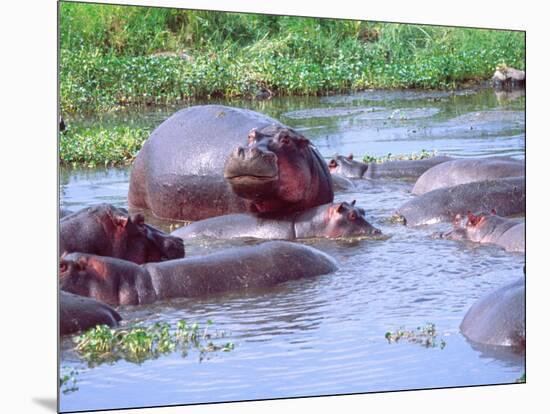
x,y
137,218
333,163
353,203
350,157
340,208
81,263
120,220
252,135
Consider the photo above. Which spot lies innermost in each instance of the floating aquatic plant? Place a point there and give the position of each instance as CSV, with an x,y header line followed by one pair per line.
x,y
424,335
139,343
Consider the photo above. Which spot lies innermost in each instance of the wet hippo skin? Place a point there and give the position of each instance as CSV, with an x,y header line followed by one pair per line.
x,y
400,169
107,230
119,282
211,160
505,195
489,228
498,319
463,171
332,220
78,313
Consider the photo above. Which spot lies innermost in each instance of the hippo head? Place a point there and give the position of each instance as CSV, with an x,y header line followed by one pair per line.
x,y
88,275
346,220
138,242
346,166
107,279
470,226
278,171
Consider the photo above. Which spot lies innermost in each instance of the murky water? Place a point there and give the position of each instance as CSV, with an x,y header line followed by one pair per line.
x,y
325,335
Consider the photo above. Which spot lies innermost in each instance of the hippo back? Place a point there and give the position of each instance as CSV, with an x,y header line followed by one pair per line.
x,y
199,139
498,319
78,313
463,171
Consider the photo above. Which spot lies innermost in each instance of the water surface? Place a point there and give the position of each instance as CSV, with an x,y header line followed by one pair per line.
x,y
325,335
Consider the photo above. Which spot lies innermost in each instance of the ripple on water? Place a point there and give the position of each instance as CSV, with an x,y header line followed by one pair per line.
x,y
325,335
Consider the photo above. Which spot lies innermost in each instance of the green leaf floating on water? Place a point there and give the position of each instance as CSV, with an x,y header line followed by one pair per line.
x,y
139,343
424,335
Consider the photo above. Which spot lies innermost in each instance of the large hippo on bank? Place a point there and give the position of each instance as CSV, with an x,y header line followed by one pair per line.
x,y
211,160
463,171
403,169
110,231
505,195
119,282
77,313
489,228
498,319
331,220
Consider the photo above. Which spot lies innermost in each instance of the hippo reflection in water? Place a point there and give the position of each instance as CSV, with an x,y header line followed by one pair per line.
x,y
332,220
212,160
119,282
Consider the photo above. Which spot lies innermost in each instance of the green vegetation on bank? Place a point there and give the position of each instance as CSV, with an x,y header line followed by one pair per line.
x,y
100,146
114,56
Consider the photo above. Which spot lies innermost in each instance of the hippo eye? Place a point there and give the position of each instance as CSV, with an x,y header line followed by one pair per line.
x,y
63,267
352,216
284,138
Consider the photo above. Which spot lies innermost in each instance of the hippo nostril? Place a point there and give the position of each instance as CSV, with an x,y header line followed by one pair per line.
x,y
240,152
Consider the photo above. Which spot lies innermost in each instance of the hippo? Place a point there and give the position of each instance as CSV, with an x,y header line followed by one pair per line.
x,y
505,195
463,171
211,160
77,313
341,183
331,220
119,282
489,228
404,169
498,319
107,230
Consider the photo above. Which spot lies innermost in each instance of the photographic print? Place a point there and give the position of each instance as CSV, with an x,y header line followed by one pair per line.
x,y
257,207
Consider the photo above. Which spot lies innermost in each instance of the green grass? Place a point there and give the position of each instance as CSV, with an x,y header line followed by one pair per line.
x,y
100,146
106,55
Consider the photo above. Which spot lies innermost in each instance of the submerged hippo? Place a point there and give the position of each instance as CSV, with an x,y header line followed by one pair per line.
x,y
505,195
463,171
118,282
77,313
211,160
348,167
329,220
489,228
498,319
107,230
